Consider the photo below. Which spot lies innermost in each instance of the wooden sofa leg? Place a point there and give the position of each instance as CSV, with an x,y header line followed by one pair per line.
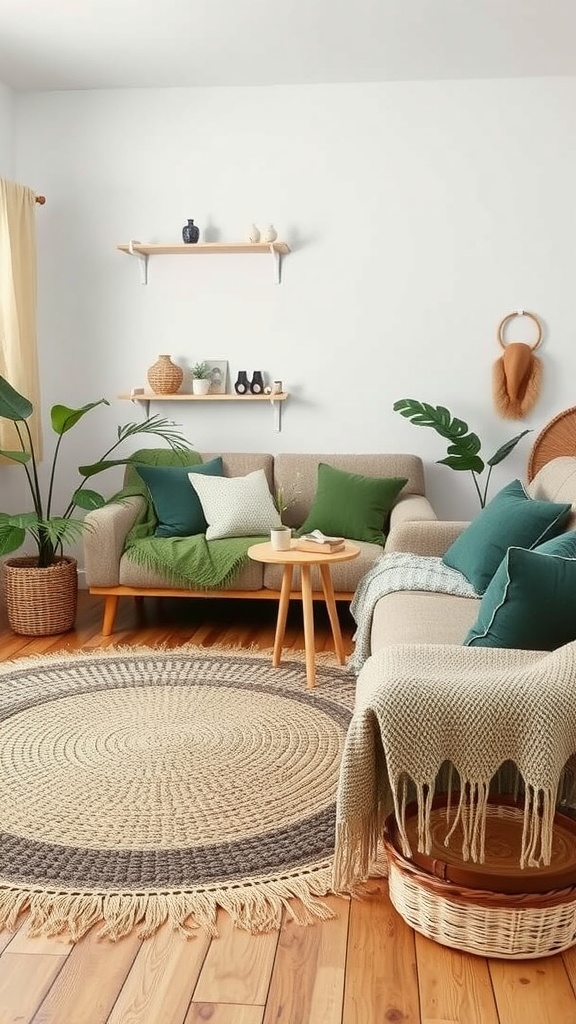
x,y
110,609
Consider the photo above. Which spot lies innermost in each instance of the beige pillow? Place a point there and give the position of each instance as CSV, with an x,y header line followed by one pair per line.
x,y
236,506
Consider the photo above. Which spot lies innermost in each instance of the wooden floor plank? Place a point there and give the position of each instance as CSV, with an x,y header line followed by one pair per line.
x,y
22,942
24,981
308,978
91,978
237,967
381,983
533,990
454,987
159,987
223,1013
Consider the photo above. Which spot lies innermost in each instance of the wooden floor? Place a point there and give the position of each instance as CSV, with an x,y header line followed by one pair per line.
x,y
364,967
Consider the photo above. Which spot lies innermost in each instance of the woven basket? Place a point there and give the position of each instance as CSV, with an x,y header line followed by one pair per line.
x,y
41,602
508,926
557,438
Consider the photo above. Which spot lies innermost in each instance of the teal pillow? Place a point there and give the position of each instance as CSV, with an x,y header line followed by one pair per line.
x,y
176,504
352,506
564,545
511,518
529,603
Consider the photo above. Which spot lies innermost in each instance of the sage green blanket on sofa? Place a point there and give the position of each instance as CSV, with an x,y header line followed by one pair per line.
x,y
192,562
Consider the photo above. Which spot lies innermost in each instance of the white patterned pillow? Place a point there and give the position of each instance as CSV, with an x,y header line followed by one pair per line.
x,y
236,506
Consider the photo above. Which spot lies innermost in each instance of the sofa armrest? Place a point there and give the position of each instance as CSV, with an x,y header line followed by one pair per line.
x,y
107,529
424,538
412,507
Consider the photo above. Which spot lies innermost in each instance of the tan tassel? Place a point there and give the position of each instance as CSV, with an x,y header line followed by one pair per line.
x,y
517,375
516,381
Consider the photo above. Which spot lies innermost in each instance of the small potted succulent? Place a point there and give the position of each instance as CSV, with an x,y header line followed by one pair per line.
x,y
201,379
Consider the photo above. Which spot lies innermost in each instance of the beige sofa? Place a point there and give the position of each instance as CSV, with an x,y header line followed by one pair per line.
x,y
110,573
415,617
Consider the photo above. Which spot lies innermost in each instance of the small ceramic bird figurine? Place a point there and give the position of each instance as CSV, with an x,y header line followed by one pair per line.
x,y
269,234
253,234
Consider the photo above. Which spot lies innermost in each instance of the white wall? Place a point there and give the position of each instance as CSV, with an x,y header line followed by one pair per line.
x,y
418,215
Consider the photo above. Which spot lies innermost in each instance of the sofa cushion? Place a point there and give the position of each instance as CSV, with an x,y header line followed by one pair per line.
x,y
529,603
134,574
351,505
419,617
176,504
238,506
511,518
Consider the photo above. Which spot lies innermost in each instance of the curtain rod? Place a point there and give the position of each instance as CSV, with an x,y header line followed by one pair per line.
x,y
40,199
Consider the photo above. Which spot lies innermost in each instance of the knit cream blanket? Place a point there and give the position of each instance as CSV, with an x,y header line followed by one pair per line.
x,y
419,706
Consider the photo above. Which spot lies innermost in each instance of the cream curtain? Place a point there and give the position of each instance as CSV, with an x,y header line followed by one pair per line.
x,y
18,352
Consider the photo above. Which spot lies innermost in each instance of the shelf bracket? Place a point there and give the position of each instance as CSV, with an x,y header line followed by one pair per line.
x,y
136,396
142,257
277,264
277,411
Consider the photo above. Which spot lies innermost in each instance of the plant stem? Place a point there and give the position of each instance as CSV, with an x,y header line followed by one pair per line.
x,y
486,487
33,481
52,475
481,497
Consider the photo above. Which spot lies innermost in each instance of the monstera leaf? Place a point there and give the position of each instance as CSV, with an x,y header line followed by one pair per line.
x,y
464,450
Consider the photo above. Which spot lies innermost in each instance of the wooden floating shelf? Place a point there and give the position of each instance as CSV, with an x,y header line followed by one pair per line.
x,y
143,250
150,396
195,249
145,397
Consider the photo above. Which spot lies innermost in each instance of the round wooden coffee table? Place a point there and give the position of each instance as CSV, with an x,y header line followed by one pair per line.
x,y
305,559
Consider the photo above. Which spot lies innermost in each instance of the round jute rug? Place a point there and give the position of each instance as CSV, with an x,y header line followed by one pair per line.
x,y
141,785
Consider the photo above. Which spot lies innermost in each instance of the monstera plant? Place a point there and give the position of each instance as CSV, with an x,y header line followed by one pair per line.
x,y
51,531
464,447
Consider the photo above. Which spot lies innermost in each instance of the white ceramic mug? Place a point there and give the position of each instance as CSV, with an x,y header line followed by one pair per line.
x,y
281,537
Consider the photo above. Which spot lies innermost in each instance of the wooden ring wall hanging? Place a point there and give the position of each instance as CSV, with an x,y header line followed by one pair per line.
x,y
517,375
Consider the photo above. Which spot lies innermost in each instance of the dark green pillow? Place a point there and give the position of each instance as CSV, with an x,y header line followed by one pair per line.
x,y
176,504
352,506
511,518
529,603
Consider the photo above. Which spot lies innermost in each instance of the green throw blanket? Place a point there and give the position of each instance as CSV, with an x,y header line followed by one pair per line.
x,y
192,562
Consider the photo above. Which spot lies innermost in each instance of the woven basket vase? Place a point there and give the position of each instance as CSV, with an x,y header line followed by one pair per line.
x,y
41,602
164,376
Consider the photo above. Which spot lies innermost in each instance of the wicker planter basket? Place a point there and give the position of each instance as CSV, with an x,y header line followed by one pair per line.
x,y
482,921
41,602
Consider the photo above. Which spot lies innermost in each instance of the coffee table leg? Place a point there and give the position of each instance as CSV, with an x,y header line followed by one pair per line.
x,y
328,588
282,613
308,615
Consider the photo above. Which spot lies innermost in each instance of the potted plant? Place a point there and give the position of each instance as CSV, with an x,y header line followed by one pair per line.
x,y
41,589
200,379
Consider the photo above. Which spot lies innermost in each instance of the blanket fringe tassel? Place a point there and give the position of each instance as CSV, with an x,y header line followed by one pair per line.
x,y
359,854
257,908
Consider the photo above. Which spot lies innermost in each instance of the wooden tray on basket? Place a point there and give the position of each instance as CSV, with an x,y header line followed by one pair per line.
x,y
501,871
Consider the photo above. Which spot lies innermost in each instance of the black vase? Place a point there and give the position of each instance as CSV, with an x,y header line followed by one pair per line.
x,y
257,384
242,385
190,232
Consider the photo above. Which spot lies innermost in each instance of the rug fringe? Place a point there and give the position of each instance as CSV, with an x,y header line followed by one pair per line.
x,y
252,908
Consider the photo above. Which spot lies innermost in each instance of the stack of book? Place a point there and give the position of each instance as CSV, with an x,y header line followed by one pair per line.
x,y
319,542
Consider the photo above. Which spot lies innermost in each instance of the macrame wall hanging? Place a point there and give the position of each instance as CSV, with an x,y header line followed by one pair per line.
x,y
517,374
